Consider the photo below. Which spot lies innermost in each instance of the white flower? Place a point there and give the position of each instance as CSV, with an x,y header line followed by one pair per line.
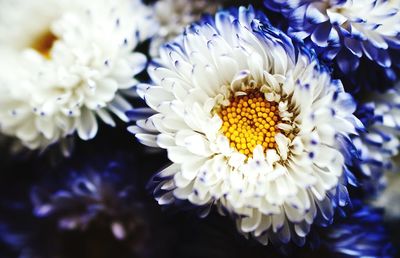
x,y
65,62
174,15
251,123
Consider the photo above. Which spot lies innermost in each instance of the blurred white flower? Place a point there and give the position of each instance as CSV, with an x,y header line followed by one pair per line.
x,y
65,62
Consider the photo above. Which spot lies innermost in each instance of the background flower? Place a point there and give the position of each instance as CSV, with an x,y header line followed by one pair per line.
x,y
72,66
349,33
97,209
379,143
360,234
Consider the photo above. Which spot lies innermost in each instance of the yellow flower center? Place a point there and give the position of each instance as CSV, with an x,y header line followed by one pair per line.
x,y
44,43
250,120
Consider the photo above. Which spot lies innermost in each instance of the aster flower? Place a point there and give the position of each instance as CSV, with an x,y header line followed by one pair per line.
x,y
252,123
174,15
350,32
74,64
379,143
95,211
361,234
89,197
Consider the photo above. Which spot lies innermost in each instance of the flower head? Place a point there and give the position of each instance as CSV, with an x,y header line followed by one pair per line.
x,y
252,123
89,196
73,64
347,31
95,211
361,234
379,143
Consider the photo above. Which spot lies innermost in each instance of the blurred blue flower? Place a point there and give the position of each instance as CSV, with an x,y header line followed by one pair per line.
x,y
92,195
95,211
360,234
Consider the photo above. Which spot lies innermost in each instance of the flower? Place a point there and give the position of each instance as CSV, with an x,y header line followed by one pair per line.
x,y
95,209
252,123
350,32
379,143
174,15
89,196
73,64
361,234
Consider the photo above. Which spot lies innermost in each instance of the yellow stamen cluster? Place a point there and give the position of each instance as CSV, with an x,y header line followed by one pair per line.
x,y
250,120
44,43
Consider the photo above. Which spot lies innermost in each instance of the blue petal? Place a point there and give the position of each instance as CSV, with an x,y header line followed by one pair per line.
x,y
369,50
383,58
347,62
354,46
321,34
